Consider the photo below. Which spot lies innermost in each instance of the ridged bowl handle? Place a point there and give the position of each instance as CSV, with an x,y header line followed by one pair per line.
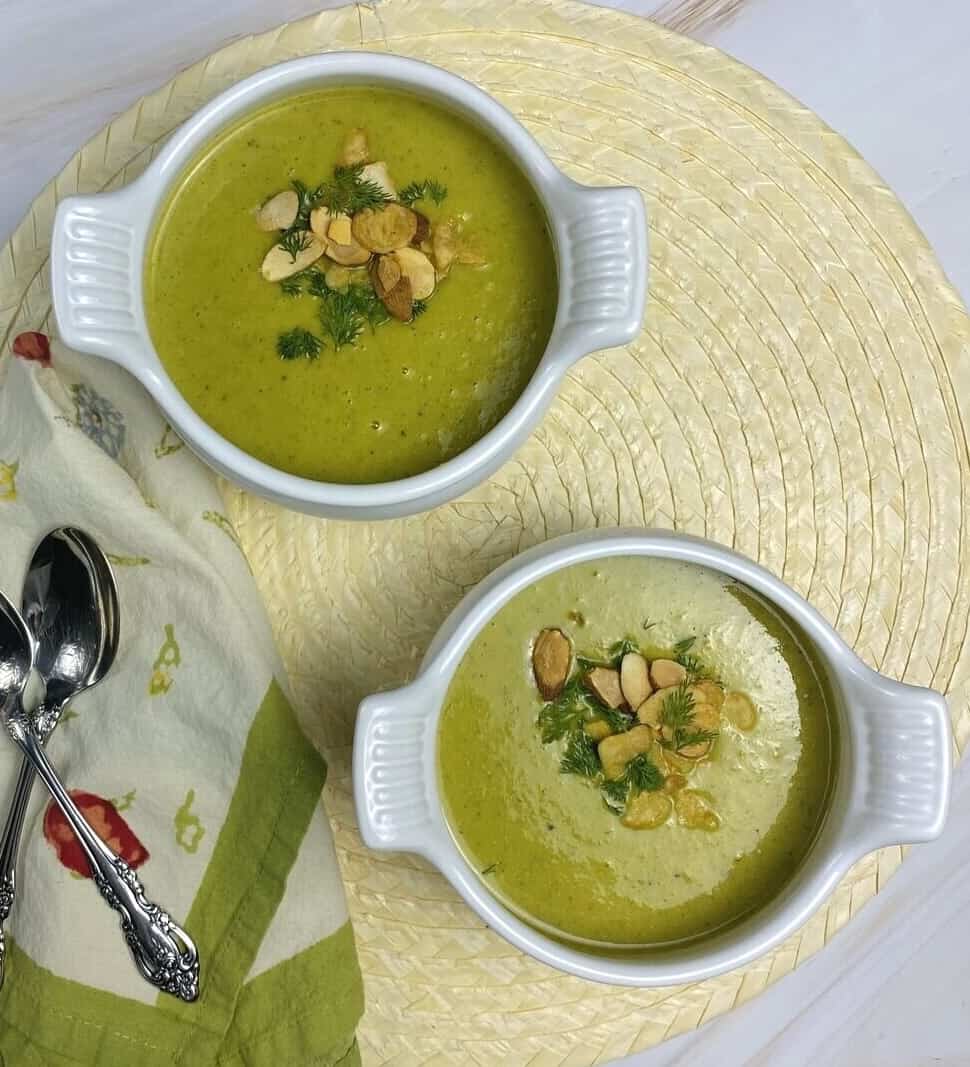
x,y
603,266
394,771
904,761
96,264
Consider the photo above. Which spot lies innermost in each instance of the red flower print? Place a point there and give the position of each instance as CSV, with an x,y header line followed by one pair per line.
x,y
35,347
106,823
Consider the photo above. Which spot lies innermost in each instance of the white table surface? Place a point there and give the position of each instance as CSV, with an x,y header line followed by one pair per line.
x,y
893,988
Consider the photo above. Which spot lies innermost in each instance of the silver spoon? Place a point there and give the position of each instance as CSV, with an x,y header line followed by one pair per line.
x,y
164,953
70,605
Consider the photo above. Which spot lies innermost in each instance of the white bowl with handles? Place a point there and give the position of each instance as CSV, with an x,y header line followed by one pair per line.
x,y
599,236
892,784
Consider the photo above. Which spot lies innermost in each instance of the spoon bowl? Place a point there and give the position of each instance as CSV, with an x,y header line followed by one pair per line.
x,y
16,654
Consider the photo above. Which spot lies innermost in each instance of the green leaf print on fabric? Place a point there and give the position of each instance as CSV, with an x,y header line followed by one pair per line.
x,y
169,444
189,830
125,802
169,657
8,480
127,561
225,525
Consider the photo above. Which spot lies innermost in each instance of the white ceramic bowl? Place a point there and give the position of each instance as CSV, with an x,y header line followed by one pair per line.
x,y
892,785
599,235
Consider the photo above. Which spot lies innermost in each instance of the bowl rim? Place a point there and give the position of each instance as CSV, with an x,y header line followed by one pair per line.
x,y
151,190
845,835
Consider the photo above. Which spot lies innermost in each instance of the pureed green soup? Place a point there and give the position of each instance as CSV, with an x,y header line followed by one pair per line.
x,y
526,791
403,397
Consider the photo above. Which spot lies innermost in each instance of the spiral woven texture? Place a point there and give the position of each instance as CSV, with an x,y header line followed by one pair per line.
x,y
799,392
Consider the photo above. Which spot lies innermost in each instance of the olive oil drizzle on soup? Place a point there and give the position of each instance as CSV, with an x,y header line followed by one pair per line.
x,y
546,842
404,397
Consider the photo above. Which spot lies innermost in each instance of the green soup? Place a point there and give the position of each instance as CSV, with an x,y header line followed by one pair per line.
x,y
546,842
404,397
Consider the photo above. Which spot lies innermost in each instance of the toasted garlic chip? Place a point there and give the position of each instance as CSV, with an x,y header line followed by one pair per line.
x,y
635,679
378,174
355,149
349,255
649,711
694,812
647,811
339,230
385,229
739,709
552,657
617,750
320,222
279,212
597,729
279,264
416,266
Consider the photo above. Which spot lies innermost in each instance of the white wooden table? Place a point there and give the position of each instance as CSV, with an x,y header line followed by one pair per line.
x,y
893,989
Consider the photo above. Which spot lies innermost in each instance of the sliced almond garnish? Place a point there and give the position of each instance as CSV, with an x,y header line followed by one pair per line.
x,y
423,232
320,222
604,684
665,673
617,750
279,212
355,149
388,273
396,296
419,270
647,811
399,301
552,657
279,264
694,811
635,679
739,709
339,230
384,229
349,255
597,729
378,174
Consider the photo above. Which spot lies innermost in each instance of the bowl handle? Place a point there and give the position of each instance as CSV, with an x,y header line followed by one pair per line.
x,y
605,265
394,770
96,259
904,740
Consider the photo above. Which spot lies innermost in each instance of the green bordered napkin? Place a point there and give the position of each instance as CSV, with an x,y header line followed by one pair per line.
x,y
187,758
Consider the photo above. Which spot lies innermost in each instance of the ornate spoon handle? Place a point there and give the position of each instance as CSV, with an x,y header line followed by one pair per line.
x,y
163,951
13,827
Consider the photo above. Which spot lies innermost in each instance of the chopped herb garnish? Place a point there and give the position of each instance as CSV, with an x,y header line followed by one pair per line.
x,y
566,713
298,343
293,285
580,756
294,242
677,717
418,307
617,719
640,776
491,867
347,192
684,645
428,189
340,317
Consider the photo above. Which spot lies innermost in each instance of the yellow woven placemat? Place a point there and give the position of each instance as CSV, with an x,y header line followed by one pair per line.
x,y
799,392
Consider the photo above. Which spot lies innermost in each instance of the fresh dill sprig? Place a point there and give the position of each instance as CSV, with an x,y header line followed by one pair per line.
x,y
418,307
565,714
428,189
618,720
580,756
340,317
641,775
316,283
677,715
683,646
612,658
298,343
305,205
347,192
620,648
292,286
294,241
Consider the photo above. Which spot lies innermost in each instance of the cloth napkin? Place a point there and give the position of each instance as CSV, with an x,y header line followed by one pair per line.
x,y
187,759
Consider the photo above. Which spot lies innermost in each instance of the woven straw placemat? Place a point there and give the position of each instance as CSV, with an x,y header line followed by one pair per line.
x,y
799,392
